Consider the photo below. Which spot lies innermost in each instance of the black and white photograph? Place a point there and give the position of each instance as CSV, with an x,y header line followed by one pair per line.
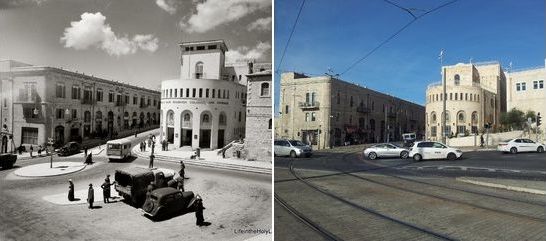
x,y
136,120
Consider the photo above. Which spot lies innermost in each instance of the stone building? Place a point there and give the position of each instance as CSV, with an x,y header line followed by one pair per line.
x,y
258,118
206,106
526,92
325,112
475,95
40,102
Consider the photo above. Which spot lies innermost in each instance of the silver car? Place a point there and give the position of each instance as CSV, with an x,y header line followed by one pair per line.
x,y
385,150
292,148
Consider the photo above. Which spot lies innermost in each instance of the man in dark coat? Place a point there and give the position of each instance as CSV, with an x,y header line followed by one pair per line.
x,y
200,220
151,165
89,159
106,189
180,183
70,190
90,196
182,171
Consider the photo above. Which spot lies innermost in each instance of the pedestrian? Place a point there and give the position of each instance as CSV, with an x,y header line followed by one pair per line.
x,y
70,190
481,141
40,150
200,220
20,149
90,195
180,183
89,159
182,169
31,150
106,190
151,161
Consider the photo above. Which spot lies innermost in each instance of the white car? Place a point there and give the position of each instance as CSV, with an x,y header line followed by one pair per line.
x,y
520,145
424,150
385,150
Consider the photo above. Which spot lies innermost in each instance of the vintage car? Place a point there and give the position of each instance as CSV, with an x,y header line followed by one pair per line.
x,y
168,201
132,182
70,148
7,160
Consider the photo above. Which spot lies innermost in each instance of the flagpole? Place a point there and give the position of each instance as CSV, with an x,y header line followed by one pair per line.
x,y
444,95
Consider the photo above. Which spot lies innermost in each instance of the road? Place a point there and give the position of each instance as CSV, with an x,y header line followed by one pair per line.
x,y
233,200
339,195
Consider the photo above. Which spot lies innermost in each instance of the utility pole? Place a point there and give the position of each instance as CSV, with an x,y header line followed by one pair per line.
x,y
444,134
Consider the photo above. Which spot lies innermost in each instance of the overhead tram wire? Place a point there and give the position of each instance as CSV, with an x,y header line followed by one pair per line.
x,y
398,31
290,36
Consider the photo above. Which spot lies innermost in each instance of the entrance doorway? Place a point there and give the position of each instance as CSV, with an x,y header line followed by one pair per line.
x,y
186,137
204,138
59,134
221,142
170,135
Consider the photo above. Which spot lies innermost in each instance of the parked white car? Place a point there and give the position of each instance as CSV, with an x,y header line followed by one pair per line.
x,y
385,150
292,148
424,150
520,145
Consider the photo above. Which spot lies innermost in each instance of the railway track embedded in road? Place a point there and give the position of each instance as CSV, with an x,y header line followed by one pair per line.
x,y
367,209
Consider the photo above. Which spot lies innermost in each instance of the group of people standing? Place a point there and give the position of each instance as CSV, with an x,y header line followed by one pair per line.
x,y
91,192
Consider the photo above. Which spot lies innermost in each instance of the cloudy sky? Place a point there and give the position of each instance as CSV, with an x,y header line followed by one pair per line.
x,y
132,41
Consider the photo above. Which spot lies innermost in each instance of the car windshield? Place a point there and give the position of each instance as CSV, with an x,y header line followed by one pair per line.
x,y
114,146
297,143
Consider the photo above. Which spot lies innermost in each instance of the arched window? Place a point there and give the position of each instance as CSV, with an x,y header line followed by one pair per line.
x,y
433,118
199,70
306,117
457,79
206,118
170,118
264,89
313,98
187,117
222,119
461,117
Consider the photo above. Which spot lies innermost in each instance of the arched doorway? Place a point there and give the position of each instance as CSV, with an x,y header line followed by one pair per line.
x,y
205,129
98,123
222,122
59,134
186,128
170,125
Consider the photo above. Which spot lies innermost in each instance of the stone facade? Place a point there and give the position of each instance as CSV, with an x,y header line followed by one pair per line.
x,y
206,107
326,112
42,102
526,91
475,95
258,119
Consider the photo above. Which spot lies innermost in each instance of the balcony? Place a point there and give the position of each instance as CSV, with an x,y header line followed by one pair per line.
x,y
309,105
87,102
363,109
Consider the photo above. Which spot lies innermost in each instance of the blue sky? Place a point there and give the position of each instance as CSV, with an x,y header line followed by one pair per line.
x,y
132,41
334,34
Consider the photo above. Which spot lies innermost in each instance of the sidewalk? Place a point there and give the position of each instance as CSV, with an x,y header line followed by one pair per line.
x,y
59,168
208,158
534,187
476,148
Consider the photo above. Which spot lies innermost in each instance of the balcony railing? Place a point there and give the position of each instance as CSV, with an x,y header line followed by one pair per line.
x,y
309,105
87,102
363,109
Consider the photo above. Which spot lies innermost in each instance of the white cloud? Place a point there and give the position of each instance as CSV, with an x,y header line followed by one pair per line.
x,y
246,53
260,24
167,5
92,30
212,13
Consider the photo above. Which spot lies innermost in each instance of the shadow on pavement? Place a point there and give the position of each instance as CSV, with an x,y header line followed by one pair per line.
x,y
126,160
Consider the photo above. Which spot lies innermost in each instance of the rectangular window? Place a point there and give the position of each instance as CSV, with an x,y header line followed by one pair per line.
x,y
170,93
450,96
175,93
76,95
207,93
29,135
224,94
523,87
60,90
60,114
518,86
213,93
287,109
200,48
135,100
200,92
465,96
541,84
149,102
111,97
126,99
193,92
188,93
99,95
228,94
212,47
433,131
74,114
181,92
535,84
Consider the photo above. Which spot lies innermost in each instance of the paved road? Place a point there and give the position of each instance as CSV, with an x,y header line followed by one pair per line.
x,y
340,195
233,200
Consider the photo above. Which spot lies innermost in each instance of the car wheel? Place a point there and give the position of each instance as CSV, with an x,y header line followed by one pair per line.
x,y
540,149
417,157
451,156
513,150
372,155
293,154
404,154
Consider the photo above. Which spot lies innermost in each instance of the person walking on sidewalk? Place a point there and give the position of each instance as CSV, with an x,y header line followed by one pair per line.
x,y
31,150
70,190
89,159
151,161
90,196
199,219
481,141
182,171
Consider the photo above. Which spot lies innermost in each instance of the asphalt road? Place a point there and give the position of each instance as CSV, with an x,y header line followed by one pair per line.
x,y
338,194
234,201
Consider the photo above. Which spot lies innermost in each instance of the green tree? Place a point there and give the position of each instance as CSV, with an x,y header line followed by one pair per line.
x,y
515,119
531,114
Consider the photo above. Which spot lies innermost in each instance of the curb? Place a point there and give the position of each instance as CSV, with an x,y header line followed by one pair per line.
x,y
501,186
227,166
